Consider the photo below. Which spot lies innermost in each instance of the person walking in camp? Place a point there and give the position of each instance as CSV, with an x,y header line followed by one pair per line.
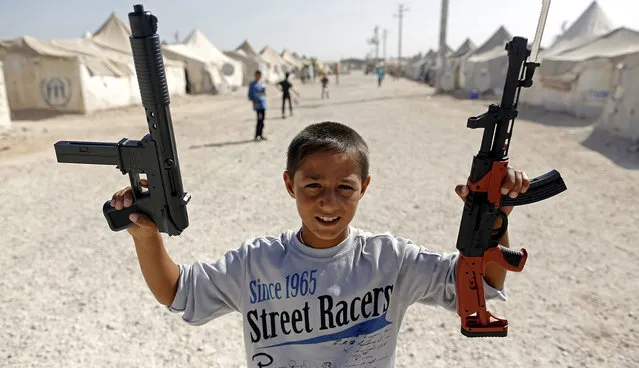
x,y
286,87
257,95
324,86
380,75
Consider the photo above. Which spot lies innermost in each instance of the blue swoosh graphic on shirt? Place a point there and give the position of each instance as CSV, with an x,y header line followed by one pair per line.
x,y
363,328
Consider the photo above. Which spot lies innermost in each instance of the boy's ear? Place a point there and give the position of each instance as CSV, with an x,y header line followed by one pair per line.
x,y
288,182
365,185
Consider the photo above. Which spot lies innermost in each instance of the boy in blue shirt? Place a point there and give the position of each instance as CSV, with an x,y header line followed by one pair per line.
x,y
257,95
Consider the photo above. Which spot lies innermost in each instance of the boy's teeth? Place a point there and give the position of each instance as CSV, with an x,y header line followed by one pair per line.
x,y
327,219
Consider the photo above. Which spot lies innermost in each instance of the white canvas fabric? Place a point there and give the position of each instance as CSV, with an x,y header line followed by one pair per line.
x,y
620,115
278,65
5,114
484,69
76,75
590,25
249,64
203,76
264,66
231,70
580,81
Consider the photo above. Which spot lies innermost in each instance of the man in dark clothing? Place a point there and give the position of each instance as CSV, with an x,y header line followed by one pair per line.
x,y
286,87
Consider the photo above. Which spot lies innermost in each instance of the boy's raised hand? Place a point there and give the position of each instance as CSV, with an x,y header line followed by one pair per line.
x,y
515,182
142,227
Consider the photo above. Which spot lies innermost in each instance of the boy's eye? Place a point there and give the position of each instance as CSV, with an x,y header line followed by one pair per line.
x,y
346,187
313,185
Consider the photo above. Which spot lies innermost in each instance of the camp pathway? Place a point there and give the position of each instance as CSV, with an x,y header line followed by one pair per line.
x,y
73,294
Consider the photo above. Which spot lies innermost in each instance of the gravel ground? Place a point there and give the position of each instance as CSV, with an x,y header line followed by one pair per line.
x,y
73,294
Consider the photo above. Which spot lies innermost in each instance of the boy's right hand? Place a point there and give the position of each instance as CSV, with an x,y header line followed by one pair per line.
x,y
142,227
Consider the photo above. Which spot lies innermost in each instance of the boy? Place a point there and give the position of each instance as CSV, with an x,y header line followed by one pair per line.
x,y
257,95
324,81
286,87
327,294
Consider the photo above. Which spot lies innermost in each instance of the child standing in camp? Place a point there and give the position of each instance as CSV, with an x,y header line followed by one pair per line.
x,y
324,81
257,95
287,87
327,294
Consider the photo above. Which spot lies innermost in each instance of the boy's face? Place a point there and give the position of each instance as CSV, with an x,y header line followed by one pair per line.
x,y
327,189
258,76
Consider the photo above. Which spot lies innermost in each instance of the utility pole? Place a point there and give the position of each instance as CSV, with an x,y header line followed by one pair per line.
x,y
442,47
376,44
385,34
400,14
375,41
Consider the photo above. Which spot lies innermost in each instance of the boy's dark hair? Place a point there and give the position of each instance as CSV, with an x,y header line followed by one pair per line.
x,y
327,136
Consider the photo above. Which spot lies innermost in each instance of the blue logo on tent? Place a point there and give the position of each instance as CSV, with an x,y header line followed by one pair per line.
x,y
56,91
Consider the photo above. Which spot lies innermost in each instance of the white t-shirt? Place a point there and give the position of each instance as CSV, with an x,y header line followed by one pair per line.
x,y
336,307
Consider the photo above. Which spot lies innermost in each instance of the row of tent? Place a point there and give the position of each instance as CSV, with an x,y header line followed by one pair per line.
x,y
590,71
96,72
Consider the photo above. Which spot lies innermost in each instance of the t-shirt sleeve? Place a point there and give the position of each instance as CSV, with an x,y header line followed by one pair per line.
x,y
206,291
428,277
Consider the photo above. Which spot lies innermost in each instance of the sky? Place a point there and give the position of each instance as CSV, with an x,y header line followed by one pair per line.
x,y
328,29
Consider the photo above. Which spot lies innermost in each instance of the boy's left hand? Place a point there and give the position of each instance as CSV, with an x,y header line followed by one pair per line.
x,y
515,182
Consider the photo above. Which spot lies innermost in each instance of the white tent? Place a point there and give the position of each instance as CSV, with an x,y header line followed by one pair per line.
x,y
202,76
249,64
591,24
485,68
43,76
620,115
5,115
580,81
278,65
231,69
113,41
114,33
294,63
459,57
263,65
77,75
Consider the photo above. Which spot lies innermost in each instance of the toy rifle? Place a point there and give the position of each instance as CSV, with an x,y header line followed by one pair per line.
x,y
163,200
477,240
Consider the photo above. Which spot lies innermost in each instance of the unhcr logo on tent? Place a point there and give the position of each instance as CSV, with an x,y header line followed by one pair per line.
x,y
228,69
56,91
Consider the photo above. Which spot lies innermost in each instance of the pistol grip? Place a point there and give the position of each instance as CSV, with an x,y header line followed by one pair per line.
x,y
118,219
510,259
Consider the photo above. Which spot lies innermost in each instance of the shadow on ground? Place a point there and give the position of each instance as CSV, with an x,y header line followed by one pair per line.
x,y
363,100
36,115
541,116
222,144
623,152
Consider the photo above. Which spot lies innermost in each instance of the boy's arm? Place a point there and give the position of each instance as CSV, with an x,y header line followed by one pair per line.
x,y
251,91
160,272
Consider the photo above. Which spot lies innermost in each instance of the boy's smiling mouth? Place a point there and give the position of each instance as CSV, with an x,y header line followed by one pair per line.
x,y
326,220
